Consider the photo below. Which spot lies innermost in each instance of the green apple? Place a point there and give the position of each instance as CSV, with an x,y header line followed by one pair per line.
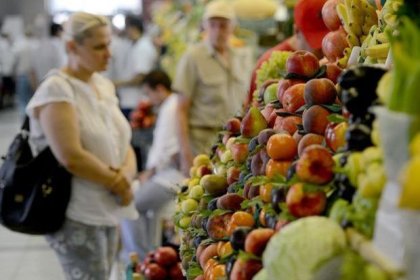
x,y
185,222
189,205
270,93
196,192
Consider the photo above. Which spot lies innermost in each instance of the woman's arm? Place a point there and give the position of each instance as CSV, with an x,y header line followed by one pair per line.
x,y
130,165
186,156
59,123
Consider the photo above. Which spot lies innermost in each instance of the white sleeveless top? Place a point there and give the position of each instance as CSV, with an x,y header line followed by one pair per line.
x,y
104,132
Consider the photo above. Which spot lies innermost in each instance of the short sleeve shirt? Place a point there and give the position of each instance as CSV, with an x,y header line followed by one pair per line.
x,y
217,91
104,132
141,58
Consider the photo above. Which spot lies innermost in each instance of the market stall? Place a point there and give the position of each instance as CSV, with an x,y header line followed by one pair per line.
x,y
317,179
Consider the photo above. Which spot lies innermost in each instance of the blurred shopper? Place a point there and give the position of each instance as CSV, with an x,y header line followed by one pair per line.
x,y
49,54
158,181
212,78
7,62
75,111
120,45
309,30
140,59
24,50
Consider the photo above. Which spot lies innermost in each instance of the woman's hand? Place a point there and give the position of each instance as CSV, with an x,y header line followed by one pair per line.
x,y
125,197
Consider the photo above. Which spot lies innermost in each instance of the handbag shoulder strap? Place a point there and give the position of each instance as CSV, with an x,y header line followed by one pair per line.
x,y
26,128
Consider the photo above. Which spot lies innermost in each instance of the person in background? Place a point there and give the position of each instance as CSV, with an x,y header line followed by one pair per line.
x,y
24,89
75,112
309,30
7,62
49,54
211,78
158,182
140,59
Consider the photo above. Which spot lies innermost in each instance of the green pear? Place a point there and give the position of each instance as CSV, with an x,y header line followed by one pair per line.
x,y
252,123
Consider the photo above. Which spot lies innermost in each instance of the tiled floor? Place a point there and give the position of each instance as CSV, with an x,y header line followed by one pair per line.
x,y
22,256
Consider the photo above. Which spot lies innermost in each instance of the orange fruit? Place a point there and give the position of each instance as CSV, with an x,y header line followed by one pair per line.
x,y
282,146
218,272
274,167
265,192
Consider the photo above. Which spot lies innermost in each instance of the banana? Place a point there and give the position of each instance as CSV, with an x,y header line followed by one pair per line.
x,y
382,37
342,62
379,51
355,15
352,39
342,14
370,60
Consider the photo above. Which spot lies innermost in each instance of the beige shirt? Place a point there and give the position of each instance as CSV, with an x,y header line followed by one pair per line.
x,y
217,88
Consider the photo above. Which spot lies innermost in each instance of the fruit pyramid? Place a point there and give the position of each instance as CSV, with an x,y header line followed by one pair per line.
x,y
308,145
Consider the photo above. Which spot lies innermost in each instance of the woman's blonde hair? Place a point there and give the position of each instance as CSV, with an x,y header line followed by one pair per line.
x,y
80,24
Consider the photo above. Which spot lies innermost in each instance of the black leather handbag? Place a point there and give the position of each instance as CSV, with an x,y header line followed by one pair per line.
x,y
34,190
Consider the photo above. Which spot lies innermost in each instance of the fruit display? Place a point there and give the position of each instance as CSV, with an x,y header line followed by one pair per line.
x,y
161,264
291,188
143,116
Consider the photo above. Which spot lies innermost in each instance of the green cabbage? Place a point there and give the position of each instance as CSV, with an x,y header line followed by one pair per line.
x,y
296,251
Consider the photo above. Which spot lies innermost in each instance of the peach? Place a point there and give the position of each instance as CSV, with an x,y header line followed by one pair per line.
x,y
302,63
315,165
257,240
315,119
309,139
239,152
245,269
208,253
320,91
233,174
288,124
303,204
333,72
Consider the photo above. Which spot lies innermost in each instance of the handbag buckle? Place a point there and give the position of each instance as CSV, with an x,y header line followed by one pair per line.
x,y
46,190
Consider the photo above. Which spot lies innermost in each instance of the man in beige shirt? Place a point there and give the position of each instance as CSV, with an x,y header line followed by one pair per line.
x,y
211,78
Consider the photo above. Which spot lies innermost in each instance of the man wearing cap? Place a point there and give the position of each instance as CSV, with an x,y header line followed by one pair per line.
x,y
309,29
212,79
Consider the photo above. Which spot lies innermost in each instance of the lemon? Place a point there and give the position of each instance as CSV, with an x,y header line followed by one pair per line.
x,y
410,181
415,145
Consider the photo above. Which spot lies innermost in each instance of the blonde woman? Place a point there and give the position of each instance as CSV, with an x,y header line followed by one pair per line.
x,y
75,111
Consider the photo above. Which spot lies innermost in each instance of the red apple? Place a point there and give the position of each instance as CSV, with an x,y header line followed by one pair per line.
x,y
330,15
302,63
315,119
335,135
293,98
233,126
308,140
315,165
332,72
333,45
284,84
166,256
257,240
303,204
319,91
175,272
155,272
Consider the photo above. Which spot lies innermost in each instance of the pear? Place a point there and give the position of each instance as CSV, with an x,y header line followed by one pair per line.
x,y
252,123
